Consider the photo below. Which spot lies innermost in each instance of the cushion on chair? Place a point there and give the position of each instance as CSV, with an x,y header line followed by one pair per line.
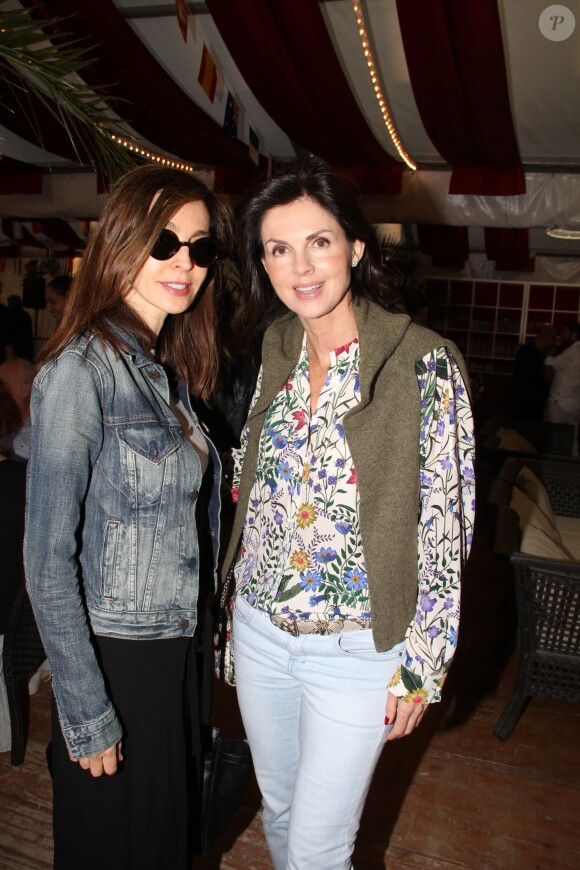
x,y
569,529
510,439
529,514
533,487
539,525
536,542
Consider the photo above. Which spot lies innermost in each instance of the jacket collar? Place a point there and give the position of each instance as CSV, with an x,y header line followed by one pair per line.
x,y
130,347
380,333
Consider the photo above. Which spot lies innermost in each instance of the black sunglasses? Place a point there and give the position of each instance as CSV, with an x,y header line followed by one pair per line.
x,y
203,252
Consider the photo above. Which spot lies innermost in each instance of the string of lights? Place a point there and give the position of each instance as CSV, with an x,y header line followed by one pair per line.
x,y
150,155
362,30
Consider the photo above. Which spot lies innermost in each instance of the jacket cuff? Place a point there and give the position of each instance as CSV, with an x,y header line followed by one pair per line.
x,y
93,737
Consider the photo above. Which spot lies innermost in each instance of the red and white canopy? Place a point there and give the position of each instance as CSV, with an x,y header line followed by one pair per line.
x,y
483,97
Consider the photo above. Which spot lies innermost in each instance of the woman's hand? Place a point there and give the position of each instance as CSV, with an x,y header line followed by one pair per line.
x,y
405,715
102,762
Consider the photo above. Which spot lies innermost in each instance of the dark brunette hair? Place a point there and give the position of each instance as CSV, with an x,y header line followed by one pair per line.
x,y
140,206
311,179
574,328
60,284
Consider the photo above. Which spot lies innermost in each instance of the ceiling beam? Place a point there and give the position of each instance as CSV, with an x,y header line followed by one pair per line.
x,y
161,10
167,10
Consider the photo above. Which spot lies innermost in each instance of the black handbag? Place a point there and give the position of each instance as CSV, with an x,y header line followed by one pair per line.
x,y
223,640
227,767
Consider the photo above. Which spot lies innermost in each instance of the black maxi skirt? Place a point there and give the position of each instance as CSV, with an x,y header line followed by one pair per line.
x,y
139,818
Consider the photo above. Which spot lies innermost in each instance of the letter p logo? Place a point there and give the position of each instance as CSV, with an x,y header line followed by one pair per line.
x,y
557,23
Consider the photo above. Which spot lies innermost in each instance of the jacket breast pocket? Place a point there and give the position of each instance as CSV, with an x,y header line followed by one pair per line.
x,y
146,452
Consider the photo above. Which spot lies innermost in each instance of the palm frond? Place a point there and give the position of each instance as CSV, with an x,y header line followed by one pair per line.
x,y
399,260
33,69
400,263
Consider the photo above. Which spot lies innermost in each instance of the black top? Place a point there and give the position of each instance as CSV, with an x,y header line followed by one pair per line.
x,y
12,501
22,334
6,331
531,389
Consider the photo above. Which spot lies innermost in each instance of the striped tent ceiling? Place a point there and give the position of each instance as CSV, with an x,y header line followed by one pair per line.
x,y
460,118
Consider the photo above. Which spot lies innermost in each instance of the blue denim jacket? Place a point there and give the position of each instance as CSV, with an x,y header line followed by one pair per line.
x,y
111,536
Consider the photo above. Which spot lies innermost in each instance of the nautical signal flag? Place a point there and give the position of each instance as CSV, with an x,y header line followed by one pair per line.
x,y
207,77
254,148
182,13
231,117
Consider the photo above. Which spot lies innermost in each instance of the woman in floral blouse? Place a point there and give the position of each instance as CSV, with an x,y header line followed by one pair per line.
x,y
355,498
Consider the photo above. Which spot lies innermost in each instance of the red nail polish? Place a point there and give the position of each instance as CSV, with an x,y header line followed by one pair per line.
x,y
387,720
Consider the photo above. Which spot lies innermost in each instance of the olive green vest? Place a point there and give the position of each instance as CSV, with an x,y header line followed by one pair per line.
x,y
382,432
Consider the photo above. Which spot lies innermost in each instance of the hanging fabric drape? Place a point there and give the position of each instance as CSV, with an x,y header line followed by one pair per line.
x,y
19,178
287,58
508,247
447,246
457,68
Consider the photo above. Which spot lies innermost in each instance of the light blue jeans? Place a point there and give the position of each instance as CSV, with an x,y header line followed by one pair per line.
x,y
314,710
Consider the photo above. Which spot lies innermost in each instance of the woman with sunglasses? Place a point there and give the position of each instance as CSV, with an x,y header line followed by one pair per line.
x,y
122,520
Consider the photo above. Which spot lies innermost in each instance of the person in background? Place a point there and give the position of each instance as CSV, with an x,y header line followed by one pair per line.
x,y
563,405
355,491
6,331
531,386
55,295
12,500
16,378
22,328
123,521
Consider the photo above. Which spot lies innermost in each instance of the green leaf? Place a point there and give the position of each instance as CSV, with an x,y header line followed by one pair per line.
x,y
289,593
410,681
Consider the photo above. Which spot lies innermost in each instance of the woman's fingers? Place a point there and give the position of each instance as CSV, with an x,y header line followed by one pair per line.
x,y
102,762
403,715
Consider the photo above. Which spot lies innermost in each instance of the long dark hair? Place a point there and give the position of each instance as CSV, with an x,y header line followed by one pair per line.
x,y
311,179
129,224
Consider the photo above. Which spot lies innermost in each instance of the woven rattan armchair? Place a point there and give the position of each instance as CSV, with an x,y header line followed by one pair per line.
x,y
550,440
548,656
23,655
547,595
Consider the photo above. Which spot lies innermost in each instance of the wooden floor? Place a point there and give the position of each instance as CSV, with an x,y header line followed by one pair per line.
x,y
449,796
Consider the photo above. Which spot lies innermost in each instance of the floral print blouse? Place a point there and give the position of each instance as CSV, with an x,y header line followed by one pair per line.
x,y
302,553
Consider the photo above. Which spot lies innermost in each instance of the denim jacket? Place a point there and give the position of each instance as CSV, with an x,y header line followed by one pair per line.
x,y
111,544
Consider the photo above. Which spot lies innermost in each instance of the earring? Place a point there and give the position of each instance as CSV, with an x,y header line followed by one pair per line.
x,y
354,263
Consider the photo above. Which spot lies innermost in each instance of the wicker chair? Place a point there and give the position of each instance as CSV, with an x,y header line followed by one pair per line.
x,y
547,595
23,655
551,439
548,664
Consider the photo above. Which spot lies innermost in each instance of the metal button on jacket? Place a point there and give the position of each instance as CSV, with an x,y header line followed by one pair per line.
x,y
191,563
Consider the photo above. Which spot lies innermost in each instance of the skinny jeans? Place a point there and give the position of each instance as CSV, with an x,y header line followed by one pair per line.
x,y
314,710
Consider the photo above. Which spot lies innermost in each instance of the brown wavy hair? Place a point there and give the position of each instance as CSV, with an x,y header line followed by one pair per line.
x,y
114,256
